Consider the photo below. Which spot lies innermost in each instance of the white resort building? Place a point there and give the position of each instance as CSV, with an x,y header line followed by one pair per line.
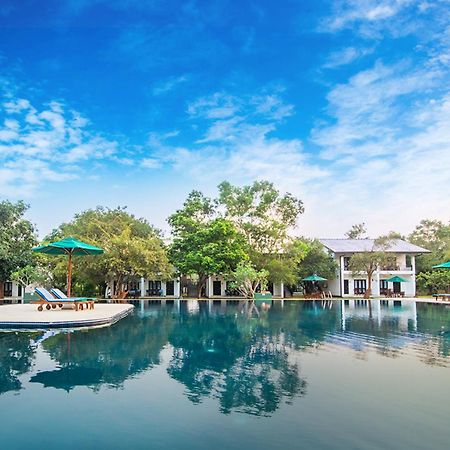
x,y
403,266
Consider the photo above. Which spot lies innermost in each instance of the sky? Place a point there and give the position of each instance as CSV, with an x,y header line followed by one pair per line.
x,y
343,103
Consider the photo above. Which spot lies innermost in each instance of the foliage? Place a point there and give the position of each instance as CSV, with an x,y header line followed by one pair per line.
x,y
433,235
133,248
203,244
261,214
366,263
17,238
357,231
437,281
212,356
265,217
318,261
283,267
28,275
246,279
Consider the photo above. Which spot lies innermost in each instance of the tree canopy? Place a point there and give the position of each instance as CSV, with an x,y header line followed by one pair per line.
x,y
433,235
17,238
357,231
203,243
316,260
133,248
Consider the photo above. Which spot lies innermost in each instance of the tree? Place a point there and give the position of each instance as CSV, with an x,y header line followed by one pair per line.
x,y
433,235
436,281
133,248
246,279
317,260
17,238
204,244
265,218
28,275
366,263
357,231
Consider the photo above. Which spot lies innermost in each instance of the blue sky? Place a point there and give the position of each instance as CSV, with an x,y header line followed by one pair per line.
x,y
344,103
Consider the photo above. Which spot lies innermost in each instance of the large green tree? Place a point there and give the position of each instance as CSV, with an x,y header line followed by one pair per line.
x,y
265,217
17,238
133,248
435,281
204,244
316,260
433,235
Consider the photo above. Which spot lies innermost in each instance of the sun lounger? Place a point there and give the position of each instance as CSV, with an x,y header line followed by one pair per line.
x,y
442,296
89,301
47,299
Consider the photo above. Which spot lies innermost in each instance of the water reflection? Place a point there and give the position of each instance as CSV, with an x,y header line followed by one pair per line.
x,y
105,355
17,354
246,357
234,358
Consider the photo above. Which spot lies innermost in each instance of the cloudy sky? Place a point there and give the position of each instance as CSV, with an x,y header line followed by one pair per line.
x,y
344,103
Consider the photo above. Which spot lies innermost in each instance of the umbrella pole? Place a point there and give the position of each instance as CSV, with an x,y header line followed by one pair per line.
x,y
69,276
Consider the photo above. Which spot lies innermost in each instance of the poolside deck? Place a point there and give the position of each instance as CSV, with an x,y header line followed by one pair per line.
x,y
27,316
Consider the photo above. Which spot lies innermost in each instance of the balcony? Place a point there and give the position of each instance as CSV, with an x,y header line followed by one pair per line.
x,y
395,268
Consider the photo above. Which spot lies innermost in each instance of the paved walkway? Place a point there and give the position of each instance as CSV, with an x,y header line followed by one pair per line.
x,y
27,316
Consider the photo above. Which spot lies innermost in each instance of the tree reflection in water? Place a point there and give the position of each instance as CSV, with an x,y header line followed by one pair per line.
x,y
245,359
236,358
107,355
16,358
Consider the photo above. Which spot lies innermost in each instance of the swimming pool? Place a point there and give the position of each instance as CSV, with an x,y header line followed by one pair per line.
x,y
198,375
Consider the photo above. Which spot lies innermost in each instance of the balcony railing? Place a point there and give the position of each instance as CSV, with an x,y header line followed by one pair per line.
x,y
396,268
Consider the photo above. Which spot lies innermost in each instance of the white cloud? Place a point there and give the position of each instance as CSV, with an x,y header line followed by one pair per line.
x,y
168,85
346,56
150,163
34,141
350,12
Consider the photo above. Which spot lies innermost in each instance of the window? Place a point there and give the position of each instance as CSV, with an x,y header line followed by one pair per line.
x,y
154,288
170,287
8,289
346,288
409,261
383,287
360,287
346,262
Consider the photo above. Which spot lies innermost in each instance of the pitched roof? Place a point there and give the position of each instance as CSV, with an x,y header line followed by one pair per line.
x,y
366,245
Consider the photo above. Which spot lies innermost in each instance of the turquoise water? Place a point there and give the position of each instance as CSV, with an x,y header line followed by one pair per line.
x,y
198,375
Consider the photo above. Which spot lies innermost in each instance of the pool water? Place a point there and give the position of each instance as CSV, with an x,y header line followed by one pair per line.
x,y
230,375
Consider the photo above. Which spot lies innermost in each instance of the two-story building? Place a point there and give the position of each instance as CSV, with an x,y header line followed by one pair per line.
x,y
403,265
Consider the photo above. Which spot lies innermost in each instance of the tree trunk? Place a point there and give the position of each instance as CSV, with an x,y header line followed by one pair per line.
x,y
368,292
201,283
2,289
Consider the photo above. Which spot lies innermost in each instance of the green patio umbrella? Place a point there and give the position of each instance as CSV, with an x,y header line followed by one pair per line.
x,y
314,277
445,265
396,279
69,246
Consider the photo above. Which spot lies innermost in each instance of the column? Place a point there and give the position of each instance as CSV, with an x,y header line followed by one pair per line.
x,y
282,290
413,278
376,291
342,275
142,287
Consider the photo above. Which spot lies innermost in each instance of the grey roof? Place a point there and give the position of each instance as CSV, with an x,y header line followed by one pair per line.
x,y
366,245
